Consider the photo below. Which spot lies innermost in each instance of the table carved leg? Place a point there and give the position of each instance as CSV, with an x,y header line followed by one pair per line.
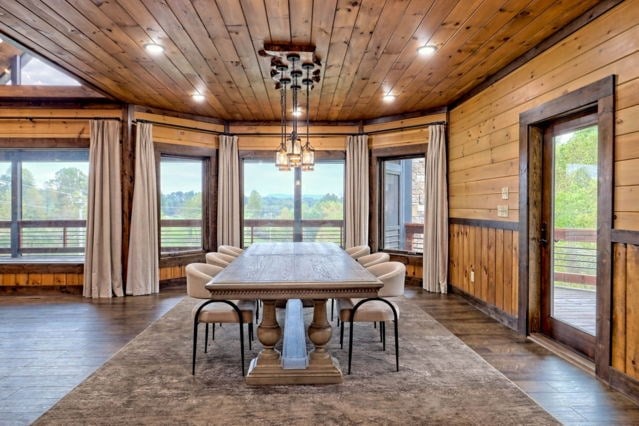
x,y
266,369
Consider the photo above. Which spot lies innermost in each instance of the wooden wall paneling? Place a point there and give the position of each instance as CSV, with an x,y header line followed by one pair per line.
x,y
619,283
483,266
491,281
466,259
514,306
509,244
632,311
499,269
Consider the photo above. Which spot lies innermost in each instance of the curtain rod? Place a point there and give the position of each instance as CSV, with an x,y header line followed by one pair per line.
x,y
178,126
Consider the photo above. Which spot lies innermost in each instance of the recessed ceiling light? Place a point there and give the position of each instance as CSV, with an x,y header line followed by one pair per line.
x,y
297,112
427,50
388,98
198,97
154,49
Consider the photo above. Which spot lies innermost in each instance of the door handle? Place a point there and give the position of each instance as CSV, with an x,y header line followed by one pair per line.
x,y
543,234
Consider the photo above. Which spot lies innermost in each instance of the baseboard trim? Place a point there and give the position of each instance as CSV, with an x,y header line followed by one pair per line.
x,y
564,352
490,310
624,384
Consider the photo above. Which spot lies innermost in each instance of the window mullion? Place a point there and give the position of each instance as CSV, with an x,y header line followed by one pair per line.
x,y
297,205
16,204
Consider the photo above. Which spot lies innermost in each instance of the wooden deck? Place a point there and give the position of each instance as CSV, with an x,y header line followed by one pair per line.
x,y
577,308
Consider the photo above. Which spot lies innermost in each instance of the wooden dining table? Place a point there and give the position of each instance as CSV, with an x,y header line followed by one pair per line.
x,y
290,271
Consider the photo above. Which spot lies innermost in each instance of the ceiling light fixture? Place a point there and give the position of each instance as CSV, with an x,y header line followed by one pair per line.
x,y
198,97
389,98
154,49
293,67
427,50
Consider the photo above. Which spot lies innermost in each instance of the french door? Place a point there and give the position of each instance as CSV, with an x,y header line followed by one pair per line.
x,y
568,233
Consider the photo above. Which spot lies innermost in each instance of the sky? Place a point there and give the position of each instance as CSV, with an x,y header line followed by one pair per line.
x,y
267,180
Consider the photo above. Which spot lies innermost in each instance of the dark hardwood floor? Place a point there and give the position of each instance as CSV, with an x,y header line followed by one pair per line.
x,y
566,391
51,343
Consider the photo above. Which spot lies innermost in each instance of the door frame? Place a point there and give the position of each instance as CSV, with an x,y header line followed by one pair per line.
x,y
600,96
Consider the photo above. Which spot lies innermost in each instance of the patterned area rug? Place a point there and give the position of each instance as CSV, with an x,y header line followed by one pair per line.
x,y
441,381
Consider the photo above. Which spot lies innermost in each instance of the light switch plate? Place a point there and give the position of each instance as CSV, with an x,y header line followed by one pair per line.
x,y
502,211
504,193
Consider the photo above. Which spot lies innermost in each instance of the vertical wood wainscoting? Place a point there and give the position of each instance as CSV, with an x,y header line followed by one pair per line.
x,y
625,313
484,265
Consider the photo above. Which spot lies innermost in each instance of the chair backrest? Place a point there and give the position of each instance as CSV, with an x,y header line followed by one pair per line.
x,y
373,259
230,250
358,251
197,275
219,259
392,274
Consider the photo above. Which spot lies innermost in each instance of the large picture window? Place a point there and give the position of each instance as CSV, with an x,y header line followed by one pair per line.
x,y
43,203
292,205
181,204
403,204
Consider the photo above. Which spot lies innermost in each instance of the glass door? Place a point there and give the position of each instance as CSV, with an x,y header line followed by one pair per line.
x,y
569,233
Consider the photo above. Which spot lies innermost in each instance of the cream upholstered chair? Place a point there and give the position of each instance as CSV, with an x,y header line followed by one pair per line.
x,y
219,259
374,309
230,250
216,311
358,251
373,259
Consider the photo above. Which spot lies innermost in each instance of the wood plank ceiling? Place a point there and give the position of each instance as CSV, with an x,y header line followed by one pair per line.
x,y
367,47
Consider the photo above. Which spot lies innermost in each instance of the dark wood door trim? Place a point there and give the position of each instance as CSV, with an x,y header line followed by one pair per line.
x,y
599,94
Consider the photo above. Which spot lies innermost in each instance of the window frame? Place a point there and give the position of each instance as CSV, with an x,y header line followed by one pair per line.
x,y
376,179
28,147
320,156
208,156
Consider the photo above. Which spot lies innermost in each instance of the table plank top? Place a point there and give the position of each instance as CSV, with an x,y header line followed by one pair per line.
x,y
304,268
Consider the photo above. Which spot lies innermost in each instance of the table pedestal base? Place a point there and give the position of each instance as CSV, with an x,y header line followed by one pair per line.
x,y
267,369
276,375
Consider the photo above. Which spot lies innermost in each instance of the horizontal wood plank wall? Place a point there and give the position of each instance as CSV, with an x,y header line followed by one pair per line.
x,y
404,132
42,124
491,254
483,147
266,137
35,279
181,131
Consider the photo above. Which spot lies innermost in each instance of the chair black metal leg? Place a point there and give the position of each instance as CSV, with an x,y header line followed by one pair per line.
x,y
250,332
350,345
381,337
382,327
213,331
396,344
332,307
341,335
242,345
195,324
206,336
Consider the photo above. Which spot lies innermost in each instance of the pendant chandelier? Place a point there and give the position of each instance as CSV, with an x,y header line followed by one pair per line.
x,y
291,76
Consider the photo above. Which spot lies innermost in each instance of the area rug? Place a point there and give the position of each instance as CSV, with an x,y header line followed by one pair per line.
x,y
441,381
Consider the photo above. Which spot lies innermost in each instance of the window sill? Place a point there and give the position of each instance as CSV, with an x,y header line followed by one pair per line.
x,y
181,258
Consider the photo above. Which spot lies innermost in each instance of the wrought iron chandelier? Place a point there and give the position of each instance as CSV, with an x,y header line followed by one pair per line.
x,y
291,76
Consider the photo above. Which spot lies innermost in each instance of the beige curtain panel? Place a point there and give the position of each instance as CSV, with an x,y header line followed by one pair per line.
x,y
143,267
102,258
436,213
228,208
356,220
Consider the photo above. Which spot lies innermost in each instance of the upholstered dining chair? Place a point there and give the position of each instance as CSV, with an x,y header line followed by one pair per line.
x,y
230,250
219,259
216,311
358,251
373,259
375,309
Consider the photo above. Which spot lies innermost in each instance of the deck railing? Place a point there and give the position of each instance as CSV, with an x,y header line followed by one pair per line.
x,y
575,256
43,237
180,235
260,230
